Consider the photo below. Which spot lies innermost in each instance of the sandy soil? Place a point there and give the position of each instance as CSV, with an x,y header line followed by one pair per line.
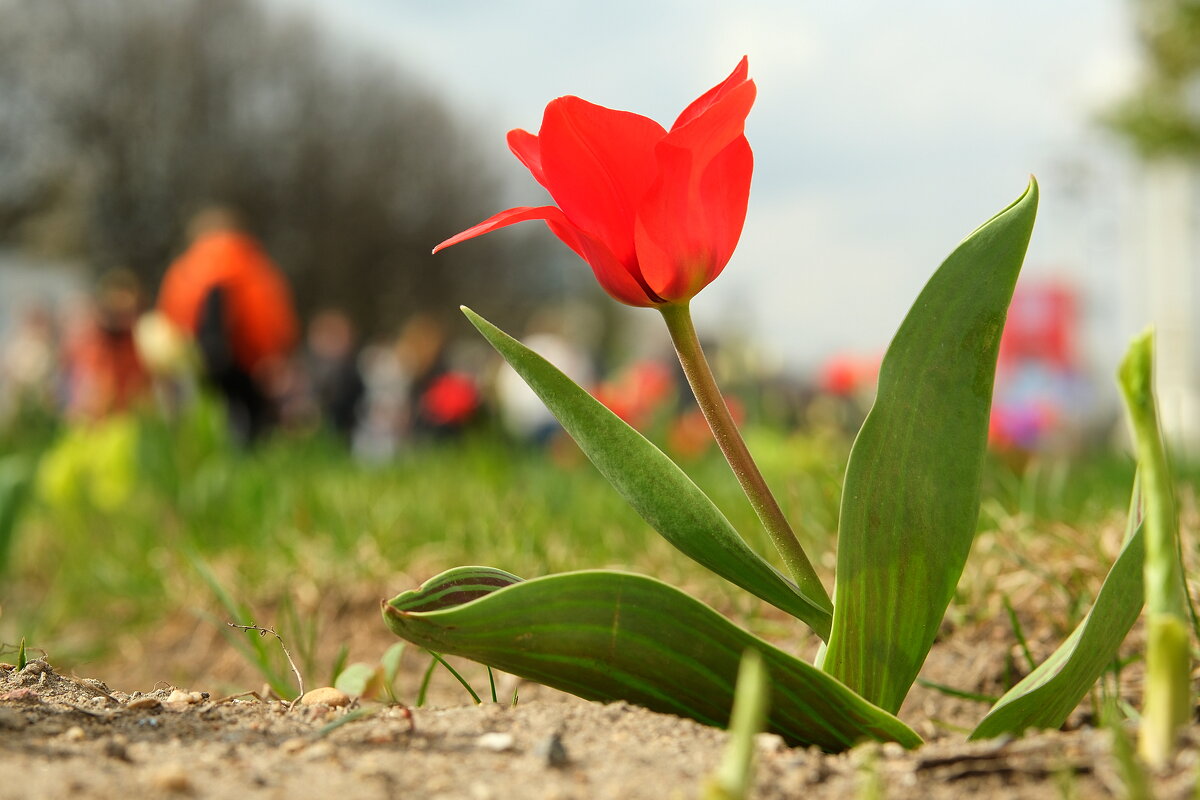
x,y
63,736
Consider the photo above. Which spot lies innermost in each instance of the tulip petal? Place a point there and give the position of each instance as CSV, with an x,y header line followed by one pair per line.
x,y
720,123
701,103
614,277
503,219
725,194
597,164
689,223
526,147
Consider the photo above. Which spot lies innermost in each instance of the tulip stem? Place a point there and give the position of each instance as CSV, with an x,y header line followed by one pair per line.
x,y
678,317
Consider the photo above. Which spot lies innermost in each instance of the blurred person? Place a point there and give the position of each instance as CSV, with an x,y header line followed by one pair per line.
x,y
522,412
332,366
384,412
29,365
441,401
103,374
228,294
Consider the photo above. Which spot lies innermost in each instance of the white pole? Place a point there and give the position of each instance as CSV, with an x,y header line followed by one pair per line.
x,y
1170,291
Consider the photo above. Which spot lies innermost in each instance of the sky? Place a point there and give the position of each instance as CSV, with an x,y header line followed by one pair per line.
x,y
883,134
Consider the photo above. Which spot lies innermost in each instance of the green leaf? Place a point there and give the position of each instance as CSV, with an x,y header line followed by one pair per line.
x,y
359,680
1047,696
654,485
605,635
454,587
910,502
390,661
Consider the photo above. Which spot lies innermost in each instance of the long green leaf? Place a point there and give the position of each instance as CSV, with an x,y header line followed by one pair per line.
x,y
653,484
1048,695
606,635
911,497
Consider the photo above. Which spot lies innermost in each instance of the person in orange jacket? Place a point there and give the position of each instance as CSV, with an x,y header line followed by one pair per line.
x,y
226,292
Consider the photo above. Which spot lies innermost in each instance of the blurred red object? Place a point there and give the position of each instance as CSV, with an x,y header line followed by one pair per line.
x,y
690,436
1041,326
451,400
638,393
845,374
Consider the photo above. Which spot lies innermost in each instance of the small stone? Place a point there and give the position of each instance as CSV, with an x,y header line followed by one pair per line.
x,y
180,698
145,701
551,748
893,750
769,743
36,667
172,779
325,696
319,751
74,734
496,742
292,746
114,748
25,695
12,719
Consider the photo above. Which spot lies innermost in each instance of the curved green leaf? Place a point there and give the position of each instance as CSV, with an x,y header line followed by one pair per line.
x,y
654,485
1048,695
911,497
607,635
454,587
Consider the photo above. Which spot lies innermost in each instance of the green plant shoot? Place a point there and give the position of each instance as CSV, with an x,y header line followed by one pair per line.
x,y
1167,695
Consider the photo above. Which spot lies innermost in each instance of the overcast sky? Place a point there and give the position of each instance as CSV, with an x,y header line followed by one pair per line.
x,y
883,133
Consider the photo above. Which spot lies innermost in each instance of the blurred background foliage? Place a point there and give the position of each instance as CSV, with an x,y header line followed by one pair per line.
x,y
1161,116
120,118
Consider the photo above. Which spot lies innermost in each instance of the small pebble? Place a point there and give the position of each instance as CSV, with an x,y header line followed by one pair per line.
x,y
319,751
178,697
173,779
12,719
496,742
769,743
551,748
74,734
145,701
292,746
326,696
114,748
25,695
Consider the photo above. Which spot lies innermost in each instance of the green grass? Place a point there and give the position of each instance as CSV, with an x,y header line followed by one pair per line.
x,y
284,526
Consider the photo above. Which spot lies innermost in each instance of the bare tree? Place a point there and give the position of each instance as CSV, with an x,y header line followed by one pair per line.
x,y
118,118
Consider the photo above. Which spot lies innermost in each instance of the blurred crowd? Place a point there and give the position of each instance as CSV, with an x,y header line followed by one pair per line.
x,y
222,321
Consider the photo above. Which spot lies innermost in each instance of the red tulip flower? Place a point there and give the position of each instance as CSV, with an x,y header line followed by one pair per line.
x,y
656,213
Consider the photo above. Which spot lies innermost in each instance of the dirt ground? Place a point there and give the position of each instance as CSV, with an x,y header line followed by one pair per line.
x,y
66,736
167,720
